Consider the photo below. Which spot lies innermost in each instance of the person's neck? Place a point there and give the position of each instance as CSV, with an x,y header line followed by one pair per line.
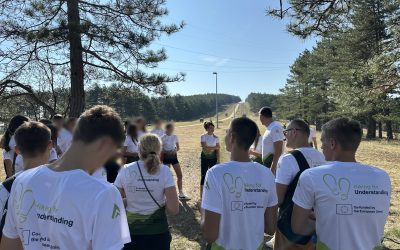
x,y
72,159
240,155
210,133
35,161
345,157
301,144
268,122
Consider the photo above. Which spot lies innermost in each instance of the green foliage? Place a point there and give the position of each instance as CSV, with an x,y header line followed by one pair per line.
x,y
259,100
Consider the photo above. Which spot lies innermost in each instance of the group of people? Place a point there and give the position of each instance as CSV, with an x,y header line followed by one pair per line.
x,y
62,197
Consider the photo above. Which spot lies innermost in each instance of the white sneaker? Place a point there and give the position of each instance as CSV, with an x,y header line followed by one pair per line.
x,y
183,197
270,243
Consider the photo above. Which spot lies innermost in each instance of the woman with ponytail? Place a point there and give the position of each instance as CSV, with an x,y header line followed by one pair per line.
x,y
8,143
148,189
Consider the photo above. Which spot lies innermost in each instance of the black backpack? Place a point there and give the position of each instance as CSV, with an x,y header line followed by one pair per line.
x,y
7,184
286,209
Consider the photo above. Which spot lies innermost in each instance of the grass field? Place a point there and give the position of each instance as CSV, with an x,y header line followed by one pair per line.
x,y
185,226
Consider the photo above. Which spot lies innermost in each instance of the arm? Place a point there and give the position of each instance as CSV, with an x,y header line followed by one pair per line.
x,y
253,152
172,202
123,195
281,192
210,225
270,217
8,167
177,147
278,148
205,147
7,243
301,221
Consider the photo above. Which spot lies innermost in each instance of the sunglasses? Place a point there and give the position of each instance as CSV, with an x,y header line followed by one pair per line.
x,y
290,129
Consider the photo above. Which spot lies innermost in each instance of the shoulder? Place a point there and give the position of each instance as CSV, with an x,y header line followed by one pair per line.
x,y
164,169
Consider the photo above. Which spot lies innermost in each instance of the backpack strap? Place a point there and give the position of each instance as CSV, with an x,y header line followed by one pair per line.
x,y
145,185
301,160
8,183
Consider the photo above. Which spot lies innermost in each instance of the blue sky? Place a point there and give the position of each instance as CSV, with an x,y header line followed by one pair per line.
x,y
250,51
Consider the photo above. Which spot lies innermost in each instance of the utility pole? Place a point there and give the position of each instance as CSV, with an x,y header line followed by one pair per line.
x,y
216,96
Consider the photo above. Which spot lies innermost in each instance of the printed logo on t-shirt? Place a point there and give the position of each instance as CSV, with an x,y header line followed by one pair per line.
x,y
116,212
236,186
339,187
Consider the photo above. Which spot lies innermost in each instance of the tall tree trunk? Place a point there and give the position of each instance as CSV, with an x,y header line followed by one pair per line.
x,y
380,130
371,127
77,101
389,130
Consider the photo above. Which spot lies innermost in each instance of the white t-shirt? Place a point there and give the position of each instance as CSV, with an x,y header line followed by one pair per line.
x,y
19,161
64,140
131,146
141,134
4,194
273,134
10,154
240,192
313,134
169,142
288,168
351,203
210,140
138,199
160,132
100,174
65,210
258,149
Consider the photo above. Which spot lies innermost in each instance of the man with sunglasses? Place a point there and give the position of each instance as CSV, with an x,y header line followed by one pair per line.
x,y
289,169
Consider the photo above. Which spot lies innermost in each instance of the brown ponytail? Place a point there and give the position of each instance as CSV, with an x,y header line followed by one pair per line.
x,y
149,152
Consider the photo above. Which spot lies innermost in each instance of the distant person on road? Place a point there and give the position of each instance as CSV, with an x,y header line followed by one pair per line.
x,y
158,128
130,149
272,147
8,144
170,148
290,166
256,148
350,200
149,189
210,151
239,201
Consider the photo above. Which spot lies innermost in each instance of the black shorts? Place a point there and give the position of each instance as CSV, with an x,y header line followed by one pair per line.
x,y
150,242
206,163
170,160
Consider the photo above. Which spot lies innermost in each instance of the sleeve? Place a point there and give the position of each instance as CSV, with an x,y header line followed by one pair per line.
x,y
202,139
176,139
10,226
6,155
285,172
169,179
119,181
126,141
272,195
110,225
304,193
216,139
277,134
212,197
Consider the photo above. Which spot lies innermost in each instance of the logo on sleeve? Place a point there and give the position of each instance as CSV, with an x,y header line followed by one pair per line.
x,y
116,211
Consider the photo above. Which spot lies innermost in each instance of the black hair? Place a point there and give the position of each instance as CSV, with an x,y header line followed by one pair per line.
x,y
346,132
15,122
32,138
301,125
266,112
169,126
208,124
245,131
132,131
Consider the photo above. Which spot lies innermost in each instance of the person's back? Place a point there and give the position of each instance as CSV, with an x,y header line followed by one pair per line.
x,y
65,217
351,204
59,205
239,197
246,190
350,200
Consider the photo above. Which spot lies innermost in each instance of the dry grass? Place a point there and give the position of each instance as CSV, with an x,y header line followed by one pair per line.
x,y
185,226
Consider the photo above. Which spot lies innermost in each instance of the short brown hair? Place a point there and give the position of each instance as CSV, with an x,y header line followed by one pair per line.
x,y
32,138
97,122
347,133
